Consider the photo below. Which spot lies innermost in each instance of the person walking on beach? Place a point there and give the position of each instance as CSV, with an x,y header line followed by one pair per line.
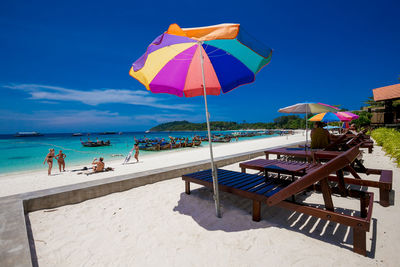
x,y
49,159
99,165
60,160
137,152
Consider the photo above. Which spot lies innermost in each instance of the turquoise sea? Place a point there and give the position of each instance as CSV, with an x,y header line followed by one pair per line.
x,y
28,153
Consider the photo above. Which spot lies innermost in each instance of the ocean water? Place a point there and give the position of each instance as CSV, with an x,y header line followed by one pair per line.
x,y
28,153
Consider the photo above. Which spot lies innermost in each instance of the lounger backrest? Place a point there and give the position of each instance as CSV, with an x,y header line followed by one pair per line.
x,y
316,175
334,145
355,140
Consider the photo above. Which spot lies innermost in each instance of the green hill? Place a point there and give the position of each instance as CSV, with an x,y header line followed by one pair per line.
x,y
285,122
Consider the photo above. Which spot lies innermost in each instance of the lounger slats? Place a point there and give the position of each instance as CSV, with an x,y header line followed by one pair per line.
x,y
246,182
276,190
267,189
267,183
253,184
243,181
236,178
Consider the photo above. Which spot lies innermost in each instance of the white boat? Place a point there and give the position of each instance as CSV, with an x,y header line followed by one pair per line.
x,y
28,134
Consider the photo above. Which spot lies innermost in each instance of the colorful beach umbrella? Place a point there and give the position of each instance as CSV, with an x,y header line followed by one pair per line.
x,y
343,117
325,117
347,116
306,108
199,61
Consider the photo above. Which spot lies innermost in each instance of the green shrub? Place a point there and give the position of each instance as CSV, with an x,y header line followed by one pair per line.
x,y
389,140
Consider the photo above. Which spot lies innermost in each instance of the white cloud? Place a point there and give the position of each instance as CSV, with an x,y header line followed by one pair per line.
x,y
96,96
67,117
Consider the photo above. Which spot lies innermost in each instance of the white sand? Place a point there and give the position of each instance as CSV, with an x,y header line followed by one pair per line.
x,y
159,225
35,180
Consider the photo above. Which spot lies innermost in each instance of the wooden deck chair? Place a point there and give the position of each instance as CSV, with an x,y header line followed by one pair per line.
x,y
296,168
277,192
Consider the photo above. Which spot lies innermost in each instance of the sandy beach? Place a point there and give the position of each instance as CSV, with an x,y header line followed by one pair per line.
x,y
14,183
159,224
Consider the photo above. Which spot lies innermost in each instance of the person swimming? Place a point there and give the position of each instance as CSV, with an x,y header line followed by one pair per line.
x,y
49,159
60,160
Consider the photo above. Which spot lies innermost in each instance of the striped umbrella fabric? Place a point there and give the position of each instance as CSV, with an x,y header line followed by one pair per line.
x,y
347,116
303,108
325,117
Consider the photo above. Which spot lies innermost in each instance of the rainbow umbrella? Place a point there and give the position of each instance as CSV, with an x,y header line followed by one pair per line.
x,y
325,117
199,61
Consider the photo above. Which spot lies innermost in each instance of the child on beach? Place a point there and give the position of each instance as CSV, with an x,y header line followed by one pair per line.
x,y
137,152
60,160
49,158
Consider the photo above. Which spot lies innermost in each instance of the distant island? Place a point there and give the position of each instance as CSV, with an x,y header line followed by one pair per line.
x,y
282,122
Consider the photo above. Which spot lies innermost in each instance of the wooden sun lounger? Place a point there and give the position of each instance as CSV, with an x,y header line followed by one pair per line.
x,y
274,191
294,168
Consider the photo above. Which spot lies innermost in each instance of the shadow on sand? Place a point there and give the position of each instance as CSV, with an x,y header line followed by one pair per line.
x,y
237,216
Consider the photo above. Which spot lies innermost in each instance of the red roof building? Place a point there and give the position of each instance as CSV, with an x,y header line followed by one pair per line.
x,y
390,92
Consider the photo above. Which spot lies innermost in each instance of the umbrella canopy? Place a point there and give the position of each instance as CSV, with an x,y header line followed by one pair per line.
x,y
325,117
302,108
347,116
305,108
199,61
172,64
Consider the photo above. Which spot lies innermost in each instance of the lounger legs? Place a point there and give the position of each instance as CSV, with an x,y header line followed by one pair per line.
x,y
364,201
359,241
187,187
256,210
384,197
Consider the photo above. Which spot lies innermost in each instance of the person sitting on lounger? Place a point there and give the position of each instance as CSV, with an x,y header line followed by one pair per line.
x,y
352,129
320,137
99,165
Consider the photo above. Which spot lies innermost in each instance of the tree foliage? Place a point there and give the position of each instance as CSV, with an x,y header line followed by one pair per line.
x,y
282,122
363,120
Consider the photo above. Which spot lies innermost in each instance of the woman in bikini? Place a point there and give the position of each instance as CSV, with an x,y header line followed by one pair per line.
x,y
137,152
60,159
49,158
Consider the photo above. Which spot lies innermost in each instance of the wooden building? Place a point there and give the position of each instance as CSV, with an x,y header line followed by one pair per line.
x,y
387,115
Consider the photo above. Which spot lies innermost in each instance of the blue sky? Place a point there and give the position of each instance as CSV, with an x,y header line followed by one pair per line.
x,y
64,64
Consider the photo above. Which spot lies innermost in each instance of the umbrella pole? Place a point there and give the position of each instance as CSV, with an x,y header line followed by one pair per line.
x,y
306,127
214,171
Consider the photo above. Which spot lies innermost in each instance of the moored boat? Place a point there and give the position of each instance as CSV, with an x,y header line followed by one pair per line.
x,y
96,144
106,133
